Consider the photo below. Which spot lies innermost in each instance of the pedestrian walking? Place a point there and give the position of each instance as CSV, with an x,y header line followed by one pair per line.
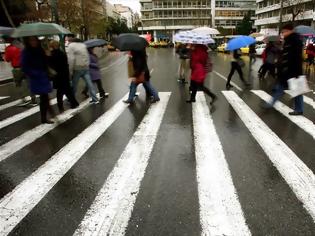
x,y
58,61
271,55
290,66
13,55
95,74
198,64
79,62
252,55
236,65
310,52
184,55
34,65
140,74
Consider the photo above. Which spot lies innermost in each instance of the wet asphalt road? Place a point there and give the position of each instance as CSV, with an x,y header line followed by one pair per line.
x,y
167,202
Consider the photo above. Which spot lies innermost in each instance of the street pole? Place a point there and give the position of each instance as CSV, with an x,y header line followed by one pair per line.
x,y
54,9
281,13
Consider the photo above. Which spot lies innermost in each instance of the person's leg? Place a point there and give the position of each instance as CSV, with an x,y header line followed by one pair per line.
x,y
181,68
208,92
44,107
277,94
298,105
132,92
60,94
69,94
76,76
194,88
152,90
85,91
100,88
228,83
88,82
240,73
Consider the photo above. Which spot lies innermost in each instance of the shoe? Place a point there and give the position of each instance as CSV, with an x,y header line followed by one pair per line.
x,y
33,104
154,100
213,100
47,122
105,95
247,85
94,102
295,113
74,106
61,111
267,106
190,101
23,103
228,86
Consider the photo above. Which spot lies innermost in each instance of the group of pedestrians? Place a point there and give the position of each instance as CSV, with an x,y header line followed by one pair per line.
x,y
45,69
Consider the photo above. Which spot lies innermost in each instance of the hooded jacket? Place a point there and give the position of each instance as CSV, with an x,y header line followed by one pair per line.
x,y
199,58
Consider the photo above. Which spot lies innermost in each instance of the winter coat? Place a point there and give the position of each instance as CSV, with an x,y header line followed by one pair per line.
x,y
95,72
198,62
139,61
78,57
58,61
13,55
291,60
34,65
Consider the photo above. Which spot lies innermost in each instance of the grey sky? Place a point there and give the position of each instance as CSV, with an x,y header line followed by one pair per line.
x,y
133,4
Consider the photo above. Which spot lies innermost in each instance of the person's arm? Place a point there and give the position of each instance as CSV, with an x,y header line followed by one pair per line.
x,y
71,59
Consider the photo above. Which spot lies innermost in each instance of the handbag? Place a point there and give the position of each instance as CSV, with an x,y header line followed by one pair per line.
x,y
240,62
298,86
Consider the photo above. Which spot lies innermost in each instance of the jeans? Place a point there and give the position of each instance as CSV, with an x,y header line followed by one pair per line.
x,y
279,91
85,74
99,85
148,87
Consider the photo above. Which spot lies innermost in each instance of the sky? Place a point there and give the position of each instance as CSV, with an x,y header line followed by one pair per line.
x,y
133,4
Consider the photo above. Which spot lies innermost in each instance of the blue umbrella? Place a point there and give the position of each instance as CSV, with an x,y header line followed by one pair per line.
x,y
239,42
95,43
304,30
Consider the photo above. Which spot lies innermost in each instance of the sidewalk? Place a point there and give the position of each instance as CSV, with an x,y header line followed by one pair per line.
x,y
5,72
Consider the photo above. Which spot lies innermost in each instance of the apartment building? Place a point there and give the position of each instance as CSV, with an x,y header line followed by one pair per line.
x,y
126,13
268,13
164,17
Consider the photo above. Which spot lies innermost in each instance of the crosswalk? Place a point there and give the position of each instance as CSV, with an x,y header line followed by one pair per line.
x,y
220,210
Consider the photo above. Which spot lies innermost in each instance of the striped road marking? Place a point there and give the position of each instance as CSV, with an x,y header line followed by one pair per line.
x,y
220,209
299,177
11,120
14,103
112,208
1,98
11,147
300,121
223,77
18,203
306,99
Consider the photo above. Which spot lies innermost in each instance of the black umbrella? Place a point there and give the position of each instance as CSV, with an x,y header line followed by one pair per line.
x,y
95,43
127,42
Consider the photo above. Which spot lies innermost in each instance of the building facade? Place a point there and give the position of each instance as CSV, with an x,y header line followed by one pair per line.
x,y
268,13
126,13
164,17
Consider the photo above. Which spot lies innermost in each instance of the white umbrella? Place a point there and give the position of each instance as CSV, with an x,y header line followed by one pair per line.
x,y
193,38
206,31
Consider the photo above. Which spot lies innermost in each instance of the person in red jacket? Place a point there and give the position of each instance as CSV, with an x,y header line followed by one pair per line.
x,y
13,55
198,64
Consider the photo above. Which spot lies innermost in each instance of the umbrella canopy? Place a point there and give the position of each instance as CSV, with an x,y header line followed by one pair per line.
x,y
127,42
272,38
206,31
240,42
6,31
39,29
256,35
95,43
303,29
193,38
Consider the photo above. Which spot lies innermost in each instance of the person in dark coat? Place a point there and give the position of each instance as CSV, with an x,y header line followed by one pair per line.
x,y
58,61
198,63
141,74
34,65
95,74
236,65
290,66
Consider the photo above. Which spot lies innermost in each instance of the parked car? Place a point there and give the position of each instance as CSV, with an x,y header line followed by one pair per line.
x,y
245,50
222,48
260,49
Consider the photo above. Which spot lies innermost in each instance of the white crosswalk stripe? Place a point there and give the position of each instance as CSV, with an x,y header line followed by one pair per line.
x,y
217,193
111,210
4,97
299,177
220,210
18,203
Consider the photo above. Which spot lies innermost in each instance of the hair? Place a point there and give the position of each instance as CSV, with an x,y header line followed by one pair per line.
x,y
288,27
54,44
26,41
